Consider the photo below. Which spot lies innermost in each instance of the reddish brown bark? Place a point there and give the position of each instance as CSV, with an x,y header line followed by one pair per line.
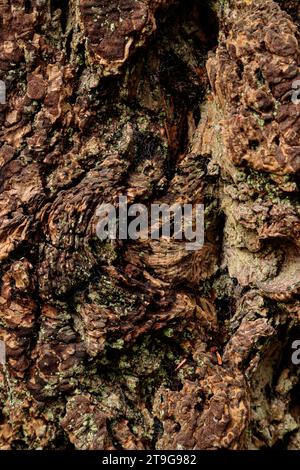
x,y
143,345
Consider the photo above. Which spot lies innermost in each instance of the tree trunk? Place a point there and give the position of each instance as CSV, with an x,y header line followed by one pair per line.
x,y
142,344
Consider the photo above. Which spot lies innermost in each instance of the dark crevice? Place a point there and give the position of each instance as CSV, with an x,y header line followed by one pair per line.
x,y
27,6
68,45
63,6
240,69
253,144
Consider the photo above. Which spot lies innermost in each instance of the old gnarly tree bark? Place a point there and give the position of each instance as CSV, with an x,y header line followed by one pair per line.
x,y
142,345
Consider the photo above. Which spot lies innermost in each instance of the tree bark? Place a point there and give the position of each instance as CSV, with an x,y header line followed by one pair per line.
x,y
141,344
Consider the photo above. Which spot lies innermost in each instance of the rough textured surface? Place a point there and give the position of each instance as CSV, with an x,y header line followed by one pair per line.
x,y
143,345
